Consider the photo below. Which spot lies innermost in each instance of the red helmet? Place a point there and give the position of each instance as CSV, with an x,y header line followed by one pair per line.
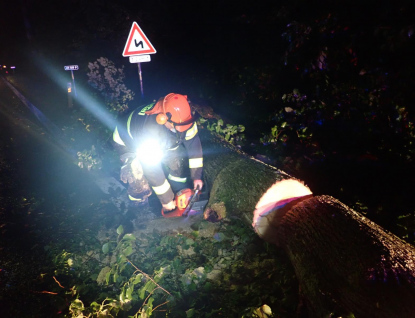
x,y
174,108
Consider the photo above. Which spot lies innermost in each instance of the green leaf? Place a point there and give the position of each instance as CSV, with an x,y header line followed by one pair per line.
x,y
274,131
142,292
176,264
148,309
77,304
149,286
219,236
150,302
95,306
120,230
189,241
107,277
190,313
137,279
129,292
122,295
105,248
128,251
121,259
115,277
129,237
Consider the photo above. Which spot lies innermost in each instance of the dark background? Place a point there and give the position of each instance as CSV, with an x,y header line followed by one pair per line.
x,y
240,58
194,40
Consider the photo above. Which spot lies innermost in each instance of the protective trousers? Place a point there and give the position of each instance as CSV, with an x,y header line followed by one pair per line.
x,y
138,188
174,166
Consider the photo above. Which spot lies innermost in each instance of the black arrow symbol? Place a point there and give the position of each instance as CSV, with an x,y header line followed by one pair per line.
x,y
139,43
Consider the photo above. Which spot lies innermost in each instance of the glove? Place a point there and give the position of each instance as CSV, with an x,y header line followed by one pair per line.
x,y
131,170
197,183
169,206
126,174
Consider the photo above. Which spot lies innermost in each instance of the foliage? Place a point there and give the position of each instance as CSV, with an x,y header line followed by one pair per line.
x,y
89,159
353,101
292,122
191,276
231,133
109,81
345,90
407,225
132,285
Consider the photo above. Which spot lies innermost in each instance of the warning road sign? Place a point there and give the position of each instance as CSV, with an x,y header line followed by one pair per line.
x,y
137,42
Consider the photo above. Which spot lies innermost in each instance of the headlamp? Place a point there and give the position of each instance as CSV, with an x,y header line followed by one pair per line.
x,y
150,152
161,119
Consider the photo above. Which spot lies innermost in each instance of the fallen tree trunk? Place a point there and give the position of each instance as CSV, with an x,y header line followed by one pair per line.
x,y
236,180
344,262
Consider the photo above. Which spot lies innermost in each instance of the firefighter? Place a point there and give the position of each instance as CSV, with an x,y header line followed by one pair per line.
x,y
163,129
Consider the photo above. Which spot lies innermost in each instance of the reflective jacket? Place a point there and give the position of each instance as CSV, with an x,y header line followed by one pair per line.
x,y
139,126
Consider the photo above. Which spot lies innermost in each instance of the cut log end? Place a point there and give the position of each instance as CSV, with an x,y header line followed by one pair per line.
x,y
281,197
215,213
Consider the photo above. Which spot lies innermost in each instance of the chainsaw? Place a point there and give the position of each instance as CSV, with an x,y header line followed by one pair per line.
x,y
193,199
186,199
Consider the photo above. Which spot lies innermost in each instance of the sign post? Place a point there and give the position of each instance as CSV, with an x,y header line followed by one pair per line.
x,y
72,68
70,104
137,49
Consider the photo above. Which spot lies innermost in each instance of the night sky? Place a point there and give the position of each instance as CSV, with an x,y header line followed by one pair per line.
x,y
202,46
191,38
204,32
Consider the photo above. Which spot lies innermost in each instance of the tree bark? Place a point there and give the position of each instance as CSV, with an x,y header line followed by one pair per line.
x,y
347,263
344,262
236,180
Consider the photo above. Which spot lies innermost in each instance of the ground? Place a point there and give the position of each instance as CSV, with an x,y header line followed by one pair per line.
x,y
59,232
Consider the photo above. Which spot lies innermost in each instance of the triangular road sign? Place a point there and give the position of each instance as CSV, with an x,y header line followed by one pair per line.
x,y
137,42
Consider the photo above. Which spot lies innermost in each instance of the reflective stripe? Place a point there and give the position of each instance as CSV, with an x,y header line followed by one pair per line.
x,y
177,179
146,108
190,133
134,199
174,148
163,188
195,163
116,137
129,123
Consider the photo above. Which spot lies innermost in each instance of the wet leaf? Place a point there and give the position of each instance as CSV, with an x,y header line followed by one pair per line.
x,y
120,230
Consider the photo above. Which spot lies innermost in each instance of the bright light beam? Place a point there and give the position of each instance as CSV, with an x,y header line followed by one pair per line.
x,y
150,152
50,126
84,99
